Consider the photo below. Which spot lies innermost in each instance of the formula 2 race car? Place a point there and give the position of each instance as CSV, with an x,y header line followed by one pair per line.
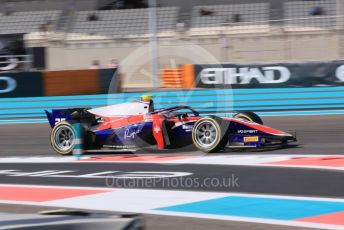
x,y
135,125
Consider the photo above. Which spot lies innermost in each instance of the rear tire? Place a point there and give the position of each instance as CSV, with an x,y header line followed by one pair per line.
x,y
209,134
62,138
249,116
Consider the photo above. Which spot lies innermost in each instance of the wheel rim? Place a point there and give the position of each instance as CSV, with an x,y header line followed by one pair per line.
x,y
206,134
64,138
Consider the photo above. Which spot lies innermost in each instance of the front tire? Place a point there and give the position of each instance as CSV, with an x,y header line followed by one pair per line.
x,y
249,116
209,134
62,138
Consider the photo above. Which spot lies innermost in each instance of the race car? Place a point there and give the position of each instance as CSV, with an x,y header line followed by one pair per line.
x,y
135,125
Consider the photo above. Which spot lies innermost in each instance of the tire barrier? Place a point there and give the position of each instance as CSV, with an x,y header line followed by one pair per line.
x,y
58,83
222,102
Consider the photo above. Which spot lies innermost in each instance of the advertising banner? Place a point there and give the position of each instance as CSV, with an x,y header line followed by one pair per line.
x,y
270,75
25,84
109,81
59,83
80,82
71,82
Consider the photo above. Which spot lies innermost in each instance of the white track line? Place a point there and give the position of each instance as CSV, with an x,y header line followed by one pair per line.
x,y
145,201
256,160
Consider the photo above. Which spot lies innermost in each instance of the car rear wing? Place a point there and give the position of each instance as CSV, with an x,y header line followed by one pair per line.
x,y
58,115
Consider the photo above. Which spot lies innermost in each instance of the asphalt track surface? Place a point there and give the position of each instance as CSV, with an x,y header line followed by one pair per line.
x,y
316,135
285,181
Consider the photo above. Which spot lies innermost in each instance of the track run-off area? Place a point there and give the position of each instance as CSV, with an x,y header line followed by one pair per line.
x,y
296,187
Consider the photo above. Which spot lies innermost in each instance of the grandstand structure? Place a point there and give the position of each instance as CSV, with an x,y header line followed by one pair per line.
x,y
235,31
310,15
123,23
230,19
203,19
28,21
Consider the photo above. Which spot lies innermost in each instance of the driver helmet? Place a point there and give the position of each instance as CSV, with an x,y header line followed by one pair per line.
x,y
150,100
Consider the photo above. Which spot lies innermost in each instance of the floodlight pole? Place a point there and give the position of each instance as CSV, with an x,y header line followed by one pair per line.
x,y
154,43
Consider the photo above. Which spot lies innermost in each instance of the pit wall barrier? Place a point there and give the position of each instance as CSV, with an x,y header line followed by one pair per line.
x,y
273,75
58,83
220,102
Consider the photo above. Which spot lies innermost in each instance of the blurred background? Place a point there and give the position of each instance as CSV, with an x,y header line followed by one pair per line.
x,y
281,58
83,34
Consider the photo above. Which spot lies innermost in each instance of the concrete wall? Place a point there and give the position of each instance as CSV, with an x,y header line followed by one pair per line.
x,y
134,57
